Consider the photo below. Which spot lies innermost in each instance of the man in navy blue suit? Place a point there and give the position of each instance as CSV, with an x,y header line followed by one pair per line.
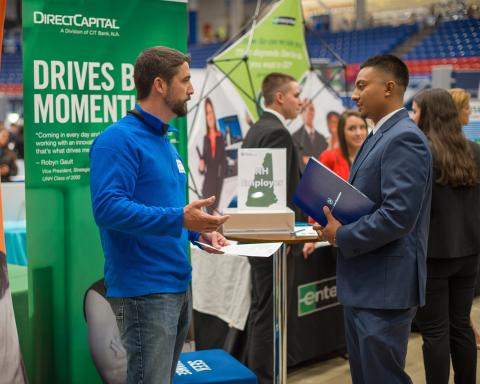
x,y
381,266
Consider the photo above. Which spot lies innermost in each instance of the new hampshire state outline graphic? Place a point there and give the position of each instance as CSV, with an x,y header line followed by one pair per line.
x,y
261,192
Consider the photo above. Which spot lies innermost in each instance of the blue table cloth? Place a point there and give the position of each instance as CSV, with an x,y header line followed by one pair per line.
x,y
212,366
15,242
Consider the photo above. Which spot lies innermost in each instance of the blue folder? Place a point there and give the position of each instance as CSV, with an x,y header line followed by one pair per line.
x,y
320,187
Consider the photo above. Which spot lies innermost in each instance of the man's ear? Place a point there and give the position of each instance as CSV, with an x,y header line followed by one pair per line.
x,y
160,86
390,87
279,97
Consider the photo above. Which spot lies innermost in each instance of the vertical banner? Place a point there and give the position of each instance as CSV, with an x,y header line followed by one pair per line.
x,y
78,79
11,365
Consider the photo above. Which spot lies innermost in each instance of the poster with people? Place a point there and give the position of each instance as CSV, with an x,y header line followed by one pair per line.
x,y
315,129
217,125
227,104
219,122
228,101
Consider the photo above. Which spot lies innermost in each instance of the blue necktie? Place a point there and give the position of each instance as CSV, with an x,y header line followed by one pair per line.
x,y
369,136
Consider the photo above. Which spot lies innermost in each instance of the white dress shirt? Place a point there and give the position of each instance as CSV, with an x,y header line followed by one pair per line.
x,y
383,120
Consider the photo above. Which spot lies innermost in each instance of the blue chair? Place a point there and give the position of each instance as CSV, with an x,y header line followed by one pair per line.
x,y
211,366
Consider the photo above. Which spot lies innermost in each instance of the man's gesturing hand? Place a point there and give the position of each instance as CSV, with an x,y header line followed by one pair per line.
x,y
215,239
197,220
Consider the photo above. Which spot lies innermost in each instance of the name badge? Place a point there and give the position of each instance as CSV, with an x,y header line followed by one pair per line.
x,y
180,166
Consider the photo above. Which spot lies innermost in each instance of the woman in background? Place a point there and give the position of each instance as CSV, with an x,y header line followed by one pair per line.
x,y
213,162
461,98
453,244
352,132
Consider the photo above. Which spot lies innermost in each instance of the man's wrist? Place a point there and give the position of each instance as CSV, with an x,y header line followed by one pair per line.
x,y
205,238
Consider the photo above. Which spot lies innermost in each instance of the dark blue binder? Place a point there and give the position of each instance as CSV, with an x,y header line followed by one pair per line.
x,y
321,187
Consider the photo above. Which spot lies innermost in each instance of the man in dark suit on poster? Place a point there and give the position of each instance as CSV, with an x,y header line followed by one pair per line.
x,y
381,265
281,94
307,139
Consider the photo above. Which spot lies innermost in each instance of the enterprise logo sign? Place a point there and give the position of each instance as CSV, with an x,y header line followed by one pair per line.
x,y
317,296
77,20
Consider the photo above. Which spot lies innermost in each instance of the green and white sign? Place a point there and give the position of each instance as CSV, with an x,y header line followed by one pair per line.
x,y
317,296
262,178
276,45
78,79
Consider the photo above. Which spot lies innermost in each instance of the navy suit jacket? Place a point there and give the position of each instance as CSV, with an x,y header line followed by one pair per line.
x,y
382,256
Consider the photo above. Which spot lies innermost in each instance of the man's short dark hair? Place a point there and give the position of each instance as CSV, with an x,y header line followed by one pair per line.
x,y
273,83
155,62
390,64
331,114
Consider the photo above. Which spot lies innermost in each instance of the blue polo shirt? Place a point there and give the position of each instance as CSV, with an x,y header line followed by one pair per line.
x,y
137,185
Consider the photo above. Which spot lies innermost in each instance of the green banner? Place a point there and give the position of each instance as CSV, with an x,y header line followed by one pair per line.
x,y
277,45
78,79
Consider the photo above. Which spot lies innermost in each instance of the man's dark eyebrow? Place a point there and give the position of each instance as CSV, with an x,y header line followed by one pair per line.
x,y
359,82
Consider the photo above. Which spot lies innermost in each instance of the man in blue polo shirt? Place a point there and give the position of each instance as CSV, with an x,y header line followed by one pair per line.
x,y
137,186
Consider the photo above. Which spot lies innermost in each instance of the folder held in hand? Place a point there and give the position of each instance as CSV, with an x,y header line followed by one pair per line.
x,y
321,187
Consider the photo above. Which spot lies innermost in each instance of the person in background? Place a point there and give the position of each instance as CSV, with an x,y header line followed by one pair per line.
x,y
453,244
308,141
213,163
461,98
352,132
8,158
138,184
281,93
332,125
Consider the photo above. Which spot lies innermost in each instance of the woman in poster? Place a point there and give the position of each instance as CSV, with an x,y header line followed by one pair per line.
x,y
213,161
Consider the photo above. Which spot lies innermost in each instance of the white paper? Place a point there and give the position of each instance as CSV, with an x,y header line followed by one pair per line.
x,y
304,230
307,231
207,247
252,250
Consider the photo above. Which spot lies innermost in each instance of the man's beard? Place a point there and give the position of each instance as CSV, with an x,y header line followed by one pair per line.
x,y
179,107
